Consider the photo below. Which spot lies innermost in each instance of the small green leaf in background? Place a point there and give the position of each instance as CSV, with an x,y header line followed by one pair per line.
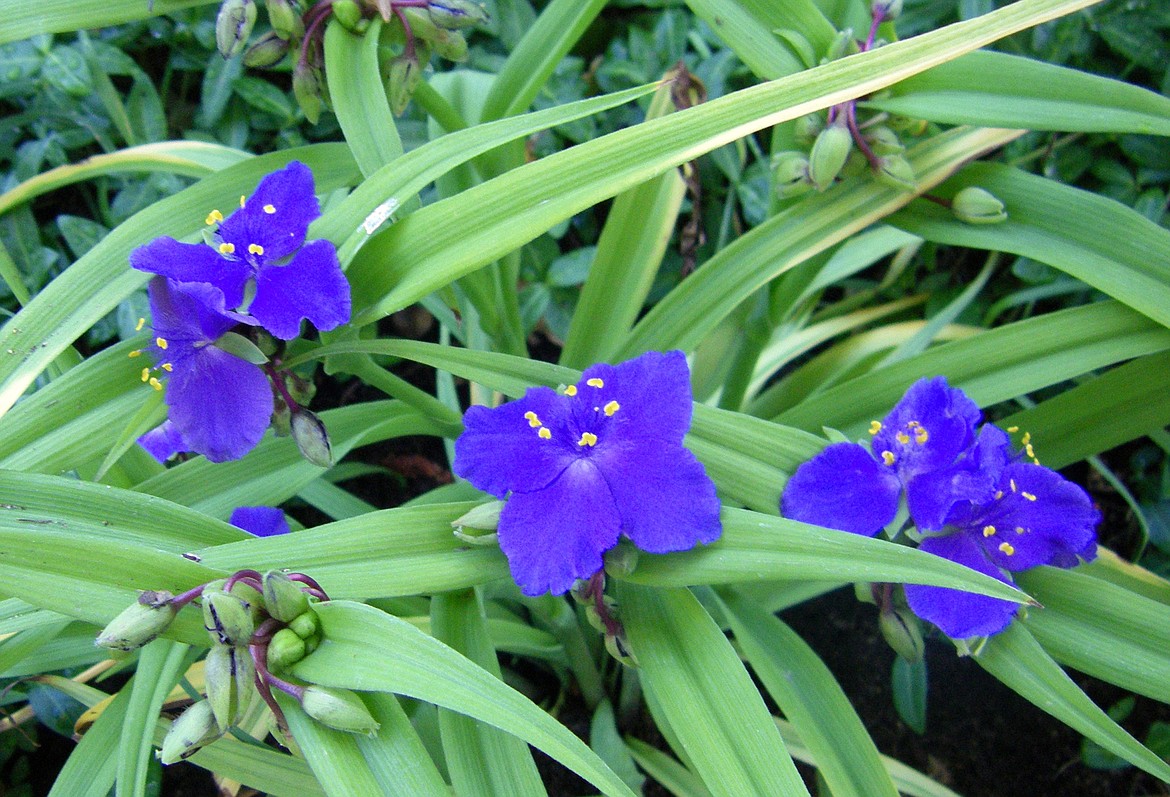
x,y
909,685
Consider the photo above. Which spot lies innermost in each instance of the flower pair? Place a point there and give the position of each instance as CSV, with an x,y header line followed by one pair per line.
x,y
254,272
974,499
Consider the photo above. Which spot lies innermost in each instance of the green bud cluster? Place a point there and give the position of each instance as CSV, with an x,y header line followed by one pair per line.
x,y
601,612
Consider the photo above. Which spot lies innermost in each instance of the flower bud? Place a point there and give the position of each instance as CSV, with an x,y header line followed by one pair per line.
x,y
285,649
457,14
616,646
227,672
790,174
312,643
283,597
975,205
191,731
896,172
301,390
139,623
339,709
350,15
594,617
269,50
402,79
904,124
233,26
828,155
621,560
884,141
305,625
285,19
421,24
886,9
903,631
843,44
312,438
807,128
450,44
484,516
307,90
227,618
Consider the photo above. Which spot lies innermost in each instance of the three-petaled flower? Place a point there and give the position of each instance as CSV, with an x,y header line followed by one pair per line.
x,y
974,500
583,466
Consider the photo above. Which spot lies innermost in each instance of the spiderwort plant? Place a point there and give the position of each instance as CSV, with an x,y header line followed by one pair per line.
x,y
974,499
582,466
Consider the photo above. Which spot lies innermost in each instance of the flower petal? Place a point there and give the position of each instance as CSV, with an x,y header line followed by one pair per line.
x,y
181,315
930,426
652,393
260,521
843,488
501,450
1042,519
276,216
666,500
556,535
311,286
220,403
163,442
971,480
959,614
193,263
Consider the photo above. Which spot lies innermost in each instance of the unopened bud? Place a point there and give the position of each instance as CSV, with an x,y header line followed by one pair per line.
x,y
350,15
617,647
621,560
594,616
139,623
233,26
483,516
457,14
285,19
283,597
269,50
312,438
896,172
790,174
907,125
975,205
807,128
402,78
339,709
903,631
285,649
227,618
829,153
301,390
421,24
281,421
886,9
191,731
222,671
884,141
307,90
450,44
305,625
843,44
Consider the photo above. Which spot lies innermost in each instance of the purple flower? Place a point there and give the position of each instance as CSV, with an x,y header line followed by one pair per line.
x,y
261,269
585,466
260,521
218,404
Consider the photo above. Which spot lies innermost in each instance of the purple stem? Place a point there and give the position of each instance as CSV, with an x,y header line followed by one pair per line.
x,y
250,577
879,16
182,599
858,139
278,380
259,653
311,582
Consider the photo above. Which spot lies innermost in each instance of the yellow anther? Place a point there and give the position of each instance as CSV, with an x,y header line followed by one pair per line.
x,y
921,436
1028,496
989,531
902,438
145,374
255,249
595,382
161,343
544,433
1012,484
533,421
1020,529
912,424
888,457
135,353
998,494
269,209
875,427
157,385
226,249
587,439
1013,429
213,217
1027,438
611,408
571,390
167,367
242,200
1007,548
139,325
1031,452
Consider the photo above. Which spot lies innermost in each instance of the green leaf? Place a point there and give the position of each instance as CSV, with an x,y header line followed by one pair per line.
x,y
909,692
333,755
358,98
56,16
65,69
159,667
263,96
91,767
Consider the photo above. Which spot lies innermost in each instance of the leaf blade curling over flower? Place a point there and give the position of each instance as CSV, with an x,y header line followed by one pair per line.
x,y
581,468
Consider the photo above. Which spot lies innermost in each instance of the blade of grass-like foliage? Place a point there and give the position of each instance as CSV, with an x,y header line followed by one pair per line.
x,y
22,20
17,648
809,696
990,88
72,648
187,158
91,767
333,500
1102,629
358,97
710,700
556,30
672,775
159,666
102,278
1016,659
747,37
395,755
334,757
1075,231
255,765
1111,568
482,760
440,243
994,366
17,615
1122,405
366,649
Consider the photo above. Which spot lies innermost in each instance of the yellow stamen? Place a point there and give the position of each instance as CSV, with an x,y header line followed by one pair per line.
x,y
242,199
998,494
875,427
921,436
912,424
1020,529
213,217
269,209
595,382
1028,496
533,421
145,374
167,367
139,325
157,385
255,249
1027,438
135,353
161,343
1012,484
989,531
544,433
571,390
587,439
902,438
888,458
1007,548
1013,429
611,408
1030,451
227,249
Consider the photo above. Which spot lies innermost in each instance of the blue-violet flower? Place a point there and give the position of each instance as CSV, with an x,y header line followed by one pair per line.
x,y
260,521
582,467
261,269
